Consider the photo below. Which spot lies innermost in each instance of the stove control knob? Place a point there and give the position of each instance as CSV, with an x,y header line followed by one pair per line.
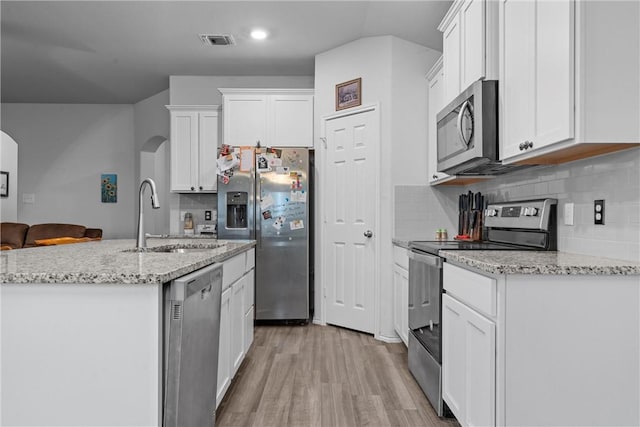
x,y
530,211
491,212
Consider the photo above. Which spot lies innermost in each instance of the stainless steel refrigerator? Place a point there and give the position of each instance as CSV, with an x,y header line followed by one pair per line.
x,y
271,203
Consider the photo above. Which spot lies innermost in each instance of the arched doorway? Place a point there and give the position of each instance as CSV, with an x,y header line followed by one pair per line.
x,y
154,164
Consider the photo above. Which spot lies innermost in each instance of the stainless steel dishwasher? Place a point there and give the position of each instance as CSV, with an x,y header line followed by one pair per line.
x,y
192,330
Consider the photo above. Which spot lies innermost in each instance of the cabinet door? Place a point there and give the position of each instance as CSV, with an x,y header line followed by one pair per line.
x,y
473,41
436,98
397,300
453,355
517,78
249,319
480,370
224,351
184,155
291,120
404,313
537,74
207,151
451,60
468,363
554,71
245,119
237,324
249,290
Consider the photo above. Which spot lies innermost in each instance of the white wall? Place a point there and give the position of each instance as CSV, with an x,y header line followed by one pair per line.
x,y
9,163
63,150
203,90
393,75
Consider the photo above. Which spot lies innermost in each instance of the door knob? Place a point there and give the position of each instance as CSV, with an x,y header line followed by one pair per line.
x,y
368,234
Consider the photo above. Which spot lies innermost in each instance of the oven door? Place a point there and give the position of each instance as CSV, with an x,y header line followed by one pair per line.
x,y
425,288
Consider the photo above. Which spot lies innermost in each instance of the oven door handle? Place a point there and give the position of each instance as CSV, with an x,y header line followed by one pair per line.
x,y
426,259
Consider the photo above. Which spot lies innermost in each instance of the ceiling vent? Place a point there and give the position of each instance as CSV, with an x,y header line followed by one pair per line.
x,y
217,39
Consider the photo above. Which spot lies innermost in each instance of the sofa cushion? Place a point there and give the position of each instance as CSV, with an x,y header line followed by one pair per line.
x,y
13,234
50,231
93,233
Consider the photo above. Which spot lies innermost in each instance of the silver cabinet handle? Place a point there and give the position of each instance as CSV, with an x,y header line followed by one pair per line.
x,y
368,234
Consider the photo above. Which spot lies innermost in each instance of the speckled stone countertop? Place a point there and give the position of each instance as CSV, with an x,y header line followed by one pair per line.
x,y
533,262
400,242
114,261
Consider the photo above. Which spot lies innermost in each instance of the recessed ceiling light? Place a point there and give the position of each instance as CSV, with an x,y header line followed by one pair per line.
x,y
259,34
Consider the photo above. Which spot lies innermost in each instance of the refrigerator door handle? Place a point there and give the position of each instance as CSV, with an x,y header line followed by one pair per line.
x,y
257,229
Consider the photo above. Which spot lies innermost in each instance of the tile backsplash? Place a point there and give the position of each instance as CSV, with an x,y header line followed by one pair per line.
x,y
615,178
196,204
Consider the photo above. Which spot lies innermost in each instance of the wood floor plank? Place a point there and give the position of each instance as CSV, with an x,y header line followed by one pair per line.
x,y
324,376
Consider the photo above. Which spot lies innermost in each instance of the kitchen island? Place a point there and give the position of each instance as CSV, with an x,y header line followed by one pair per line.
x,y
81,329
541,338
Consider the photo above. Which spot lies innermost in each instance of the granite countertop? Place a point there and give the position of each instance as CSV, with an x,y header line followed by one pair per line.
x,y
401,242
114,261
533,262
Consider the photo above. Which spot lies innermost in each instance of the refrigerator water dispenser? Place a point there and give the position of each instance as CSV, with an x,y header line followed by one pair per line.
x,y
237,209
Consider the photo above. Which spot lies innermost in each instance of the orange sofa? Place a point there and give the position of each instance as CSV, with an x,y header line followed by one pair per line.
x,y
14,235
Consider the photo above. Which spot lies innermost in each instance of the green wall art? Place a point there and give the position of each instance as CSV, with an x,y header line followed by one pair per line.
x,y
109,188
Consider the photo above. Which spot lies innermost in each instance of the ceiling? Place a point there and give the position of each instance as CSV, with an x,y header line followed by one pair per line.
x,y
125,51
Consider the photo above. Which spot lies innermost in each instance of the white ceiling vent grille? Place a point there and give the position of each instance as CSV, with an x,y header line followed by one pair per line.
x,y
217,39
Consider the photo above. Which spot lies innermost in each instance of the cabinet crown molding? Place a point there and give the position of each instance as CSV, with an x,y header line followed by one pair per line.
x,y
266,91
451,13
192,107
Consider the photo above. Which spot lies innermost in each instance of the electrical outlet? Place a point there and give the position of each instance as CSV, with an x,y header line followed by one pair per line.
x,y
598,212
207,215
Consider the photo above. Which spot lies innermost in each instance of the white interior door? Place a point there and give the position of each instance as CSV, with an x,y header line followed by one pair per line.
x,y
350,220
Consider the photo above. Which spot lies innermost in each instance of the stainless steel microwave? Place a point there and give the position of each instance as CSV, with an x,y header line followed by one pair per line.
x,y
468,132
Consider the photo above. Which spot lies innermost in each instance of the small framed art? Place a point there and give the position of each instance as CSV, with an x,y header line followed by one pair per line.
x,y
349,94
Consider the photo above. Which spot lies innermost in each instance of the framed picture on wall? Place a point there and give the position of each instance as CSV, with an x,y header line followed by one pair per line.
x,y
349,94
4,184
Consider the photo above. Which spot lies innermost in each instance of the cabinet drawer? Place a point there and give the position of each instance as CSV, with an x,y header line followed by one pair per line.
x,y
401,256
251,259
233,269
472,288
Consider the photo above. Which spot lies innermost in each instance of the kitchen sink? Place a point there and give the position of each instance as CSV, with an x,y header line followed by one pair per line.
x,y
178,249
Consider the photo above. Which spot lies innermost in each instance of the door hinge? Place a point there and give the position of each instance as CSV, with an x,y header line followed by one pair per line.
x,y
324,141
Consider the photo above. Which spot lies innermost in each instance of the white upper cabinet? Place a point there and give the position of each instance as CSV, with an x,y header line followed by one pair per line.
x,y
274,117
568,79
194,145
435,85
469,44
537,74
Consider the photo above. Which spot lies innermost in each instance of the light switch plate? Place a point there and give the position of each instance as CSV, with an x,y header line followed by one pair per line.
x,y
28,198
568,214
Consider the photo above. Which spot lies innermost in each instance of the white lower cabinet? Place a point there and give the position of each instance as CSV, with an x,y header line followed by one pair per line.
x,y
236,318
401,293
237,323
468,369
524,349
224,351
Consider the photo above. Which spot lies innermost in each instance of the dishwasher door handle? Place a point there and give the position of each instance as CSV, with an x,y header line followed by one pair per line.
x,y
426,259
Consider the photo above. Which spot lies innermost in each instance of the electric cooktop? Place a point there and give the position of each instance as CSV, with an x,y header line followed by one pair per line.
x,y
433,247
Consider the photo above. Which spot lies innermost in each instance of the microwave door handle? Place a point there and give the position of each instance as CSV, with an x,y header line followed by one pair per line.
x,y
460,134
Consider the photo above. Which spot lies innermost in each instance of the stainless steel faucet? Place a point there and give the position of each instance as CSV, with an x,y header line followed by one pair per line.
x,y
141,241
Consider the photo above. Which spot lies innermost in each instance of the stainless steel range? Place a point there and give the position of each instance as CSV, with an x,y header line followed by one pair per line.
x,y
522,225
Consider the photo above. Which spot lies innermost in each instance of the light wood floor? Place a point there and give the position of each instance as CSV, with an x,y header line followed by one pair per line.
x,y
324,376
